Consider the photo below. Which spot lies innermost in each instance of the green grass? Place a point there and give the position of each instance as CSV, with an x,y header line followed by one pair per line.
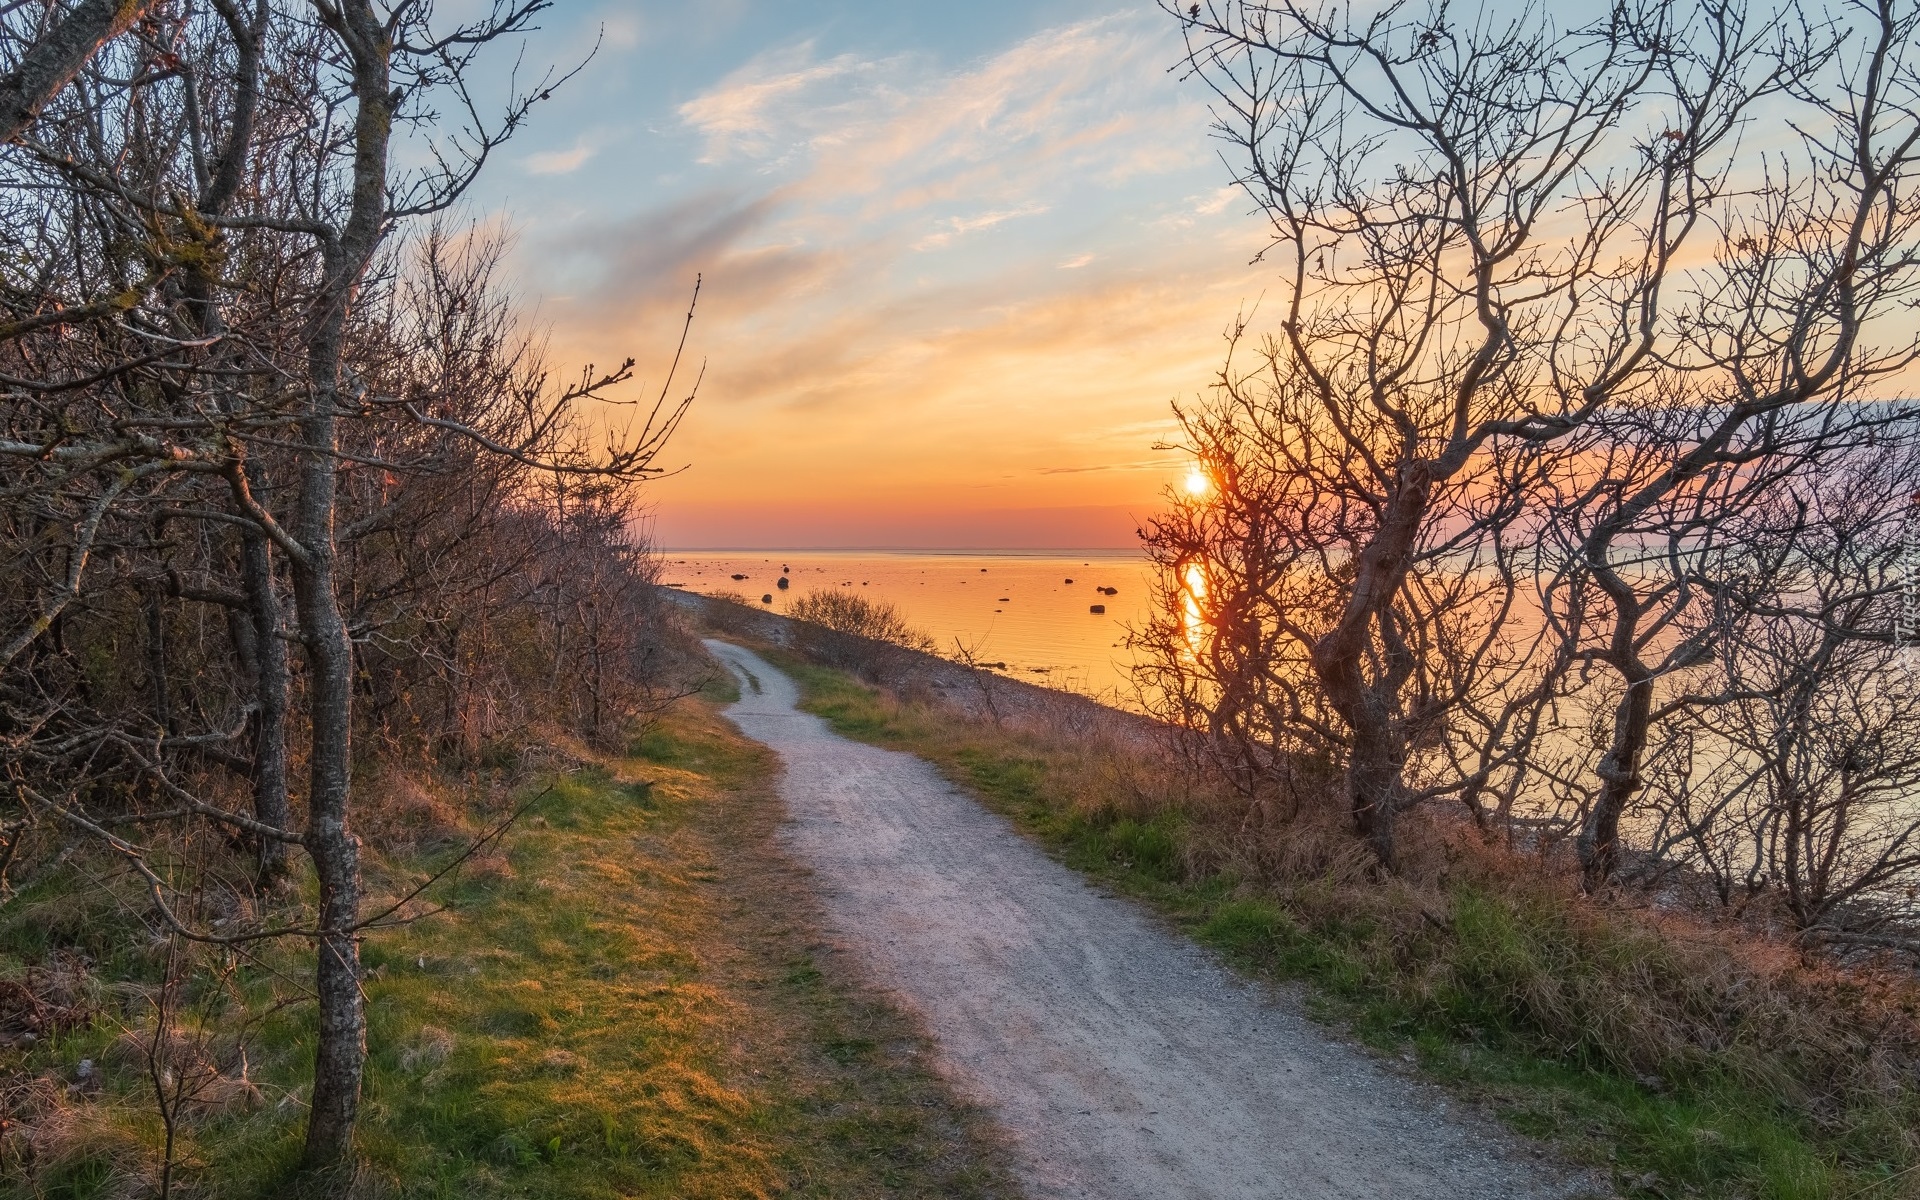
x,y
1478,999
626,1001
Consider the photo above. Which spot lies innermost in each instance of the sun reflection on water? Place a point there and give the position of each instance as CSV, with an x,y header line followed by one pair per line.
x,y
1194,591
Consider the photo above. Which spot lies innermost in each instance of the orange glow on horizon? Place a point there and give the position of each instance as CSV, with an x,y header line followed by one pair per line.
x,y
901,251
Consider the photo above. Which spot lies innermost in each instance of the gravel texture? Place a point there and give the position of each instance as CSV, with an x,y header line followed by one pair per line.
x,y
1121,1060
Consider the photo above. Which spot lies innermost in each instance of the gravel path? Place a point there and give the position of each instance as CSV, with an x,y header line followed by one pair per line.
x,y
1121,1060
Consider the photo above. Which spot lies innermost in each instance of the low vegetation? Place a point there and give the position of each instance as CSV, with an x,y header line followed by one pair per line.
x,y
621,997
1688,1058
854,633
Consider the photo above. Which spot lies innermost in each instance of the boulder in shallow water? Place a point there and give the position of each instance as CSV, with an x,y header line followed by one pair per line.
x,y
784,584
1096,608
767,599
739,576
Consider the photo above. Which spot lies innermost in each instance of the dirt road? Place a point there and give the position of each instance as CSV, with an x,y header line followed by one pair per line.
x,y
1121,1060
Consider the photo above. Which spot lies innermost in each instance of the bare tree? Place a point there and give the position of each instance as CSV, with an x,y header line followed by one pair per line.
x,y
1818,243
983,674
1793,771
1475,223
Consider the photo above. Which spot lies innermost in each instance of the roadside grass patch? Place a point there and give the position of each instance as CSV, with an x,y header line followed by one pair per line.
x,y
1598,1030
618,1000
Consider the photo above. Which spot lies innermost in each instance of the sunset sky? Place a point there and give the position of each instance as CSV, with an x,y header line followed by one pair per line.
x,y
958,258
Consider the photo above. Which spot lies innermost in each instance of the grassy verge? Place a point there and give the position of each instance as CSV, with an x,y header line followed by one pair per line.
x,y
628,1000
1641,1045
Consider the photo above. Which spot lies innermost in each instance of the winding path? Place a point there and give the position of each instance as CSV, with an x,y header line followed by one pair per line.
x,y
1120,1059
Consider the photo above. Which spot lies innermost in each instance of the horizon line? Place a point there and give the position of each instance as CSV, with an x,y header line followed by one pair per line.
x,y
1002,550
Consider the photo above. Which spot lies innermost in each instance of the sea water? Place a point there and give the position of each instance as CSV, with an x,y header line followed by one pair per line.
x,y
1030,610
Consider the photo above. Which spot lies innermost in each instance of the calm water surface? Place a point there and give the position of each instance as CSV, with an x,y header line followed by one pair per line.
x,y
1027,609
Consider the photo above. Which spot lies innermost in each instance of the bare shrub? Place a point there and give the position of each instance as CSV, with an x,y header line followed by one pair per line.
x,y
983,675
409,810
845,629
1785,774
845,611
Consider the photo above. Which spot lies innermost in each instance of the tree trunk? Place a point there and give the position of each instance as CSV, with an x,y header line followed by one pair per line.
x,y
1808,872
270,695
340,1058
341,1055
1374,765
1619,771
52,62
1378,754
266,654
156,615
342,1050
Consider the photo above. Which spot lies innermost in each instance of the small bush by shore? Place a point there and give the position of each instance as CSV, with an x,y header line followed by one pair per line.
x,y
850,631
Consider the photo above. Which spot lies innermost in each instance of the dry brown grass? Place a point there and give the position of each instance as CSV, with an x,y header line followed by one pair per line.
x,y
410,810
61,1132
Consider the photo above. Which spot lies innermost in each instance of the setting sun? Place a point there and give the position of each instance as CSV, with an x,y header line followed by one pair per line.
x,y
1197,483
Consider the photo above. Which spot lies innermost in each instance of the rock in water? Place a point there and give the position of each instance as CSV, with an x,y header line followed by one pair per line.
x,y
767,599
783,585
1096,608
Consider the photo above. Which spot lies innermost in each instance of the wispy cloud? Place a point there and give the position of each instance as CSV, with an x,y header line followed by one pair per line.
x,y
1216,200
621,30
778,99
560,162
923,277
961,226
1195,209
1147,464
1058,108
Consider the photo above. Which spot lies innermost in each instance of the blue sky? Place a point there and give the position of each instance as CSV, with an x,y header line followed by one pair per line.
x,y
958,259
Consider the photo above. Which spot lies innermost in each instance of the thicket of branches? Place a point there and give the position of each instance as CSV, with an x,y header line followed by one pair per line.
x,y
287,486
1568,488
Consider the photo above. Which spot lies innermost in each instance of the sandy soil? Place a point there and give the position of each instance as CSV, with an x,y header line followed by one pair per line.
x,y
1122,1061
